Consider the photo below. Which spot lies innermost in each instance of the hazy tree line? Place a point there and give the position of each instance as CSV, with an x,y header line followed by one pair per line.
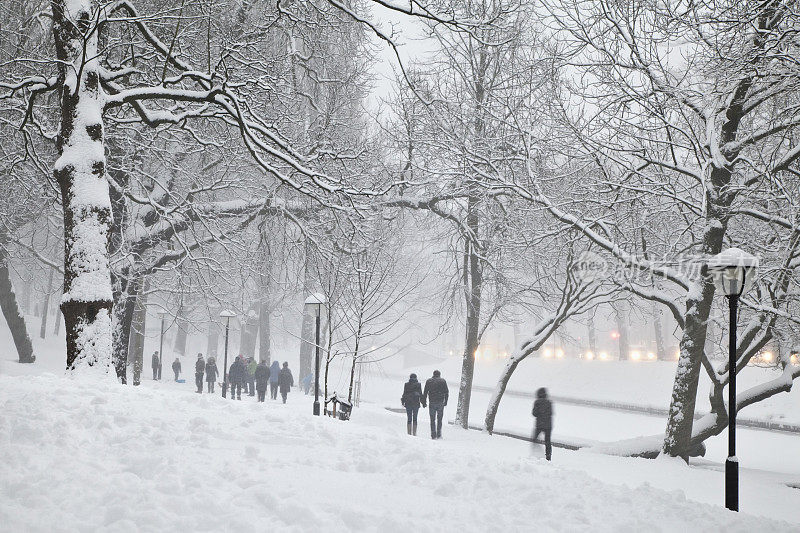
x,y
204,154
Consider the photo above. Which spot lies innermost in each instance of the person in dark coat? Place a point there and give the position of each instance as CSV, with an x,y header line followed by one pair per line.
x,y
412,397
543,412
236,376
285,381
274,375
435,395
199,370
211,373
176,368
156,366
262,379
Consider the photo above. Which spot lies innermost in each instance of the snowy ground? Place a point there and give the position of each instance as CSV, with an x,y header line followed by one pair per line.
x,y
88,455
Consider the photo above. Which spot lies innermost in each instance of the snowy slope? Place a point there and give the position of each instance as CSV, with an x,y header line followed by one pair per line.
x,y
88,455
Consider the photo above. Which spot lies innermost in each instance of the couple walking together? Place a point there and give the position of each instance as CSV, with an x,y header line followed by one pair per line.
x,y
434,397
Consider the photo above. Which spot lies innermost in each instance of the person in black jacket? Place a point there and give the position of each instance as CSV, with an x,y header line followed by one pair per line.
x,y
236,376
176,368
435,395
412,396
211,373
285,381
543,412
262,379
199,369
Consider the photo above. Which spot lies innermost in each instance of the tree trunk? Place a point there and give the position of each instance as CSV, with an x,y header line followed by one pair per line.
x,y
12,314
57,327
473,287
621,316
179,346
264,332
213,339
307,345
126,297
137,331
46,305
592,336
661,351
80,172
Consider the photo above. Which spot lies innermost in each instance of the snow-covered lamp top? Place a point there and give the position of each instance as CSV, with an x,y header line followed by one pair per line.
x,y
227,313
733,270
314,303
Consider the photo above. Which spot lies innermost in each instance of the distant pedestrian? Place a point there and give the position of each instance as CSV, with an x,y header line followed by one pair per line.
x,y
412,397
176,367
274,375
211,373
543,412
236,376
261,376
285,381
156,360
251,376
307,383
436,395
199,370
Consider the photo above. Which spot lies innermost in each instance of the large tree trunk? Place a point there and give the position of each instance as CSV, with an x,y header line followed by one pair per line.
x,y
264,331
213,339
179,346
247,339
473,286
80,172
621,317
126,297
136,331
46,305
12,314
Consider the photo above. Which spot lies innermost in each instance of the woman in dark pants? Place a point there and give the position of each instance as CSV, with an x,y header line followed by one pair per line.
x,y
412,393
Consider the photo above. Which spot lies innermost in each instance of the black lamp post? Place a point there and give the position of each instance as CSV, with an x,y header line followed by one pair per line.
x,y
733,271
227,315
313,306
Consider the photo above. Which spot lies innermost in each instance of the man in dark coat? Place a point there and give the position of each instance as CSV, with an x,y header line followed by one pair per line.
x,y
412,396
211,373
543,412
176,368
156,363
436,394
262,379
199,370
236,376
285,381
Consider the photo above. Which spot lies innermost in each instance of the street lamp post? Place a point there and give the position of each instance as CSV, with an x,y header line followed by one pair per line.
x,y
161,315
314,304
733,271
227,315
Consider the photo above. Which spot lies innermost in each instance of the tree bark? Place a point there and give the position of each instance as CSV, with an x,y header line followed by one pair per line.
x,y
126,297
658,330
80,172
136,330
12,314
46,305
264,332
179,346
473,286
621,316
213,339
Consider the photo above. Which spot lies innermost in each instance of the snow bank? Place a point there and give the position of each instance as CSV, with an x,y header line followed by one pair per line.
x,y
91,456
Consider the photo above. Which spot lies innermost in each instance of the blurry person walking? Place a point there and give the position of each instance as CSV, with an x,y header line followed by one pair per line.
x,y
176,368
411,399
435,395
212,372
274,375
251,376
543,412
199,370
262,379
285,381
156,363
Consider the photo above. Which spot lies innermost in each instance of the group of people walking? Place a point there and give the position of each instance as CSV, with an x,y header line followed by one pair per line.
x,y
244,373
435,395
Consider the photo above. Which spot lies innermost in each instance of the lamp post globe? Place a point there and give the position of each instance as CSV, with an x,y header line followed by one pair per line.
x,y
226,314
314,306
734,272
